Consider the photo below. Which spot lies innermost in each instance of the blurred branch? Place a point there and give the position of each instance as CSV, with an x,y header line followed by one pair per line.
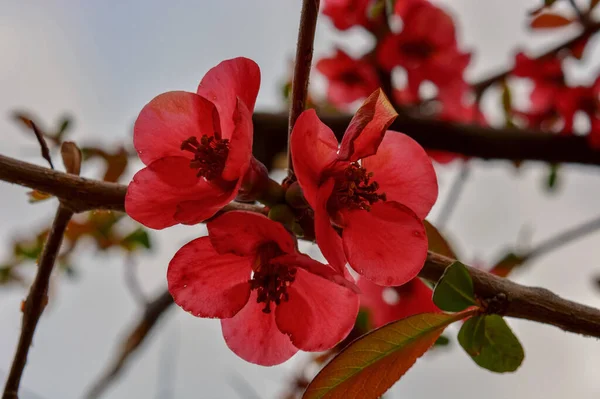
x,y
36,300
563,238
136,336
591,28
470,140
304,55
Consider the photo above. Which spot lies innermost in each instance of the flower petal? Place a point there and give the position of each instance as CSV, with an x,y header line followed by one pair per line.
x,y
253,335
153,196
328,239
387,245
207,284
223,84
240,145
404,173
314,147
169,119
241,233
317,268
414,297
319,313
367,127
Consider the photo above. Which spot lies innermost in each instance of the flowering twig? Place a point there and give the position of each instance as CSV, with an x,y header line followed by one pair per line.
x,y
591,28
304,54
36,300
138,333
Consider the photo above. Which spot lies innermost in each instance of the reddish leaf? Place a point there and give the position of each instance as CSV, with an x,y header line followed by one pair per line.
x,y
549,21
437,242
507,264
37,196
373,363
71,155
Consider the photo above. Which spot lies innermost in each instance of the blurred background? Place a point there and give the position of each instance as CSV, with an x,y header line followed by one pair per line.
x,y
101,62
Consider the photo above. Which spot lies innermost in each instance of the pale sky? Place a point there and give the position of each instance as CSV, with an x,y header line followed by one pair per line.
x,y
102,61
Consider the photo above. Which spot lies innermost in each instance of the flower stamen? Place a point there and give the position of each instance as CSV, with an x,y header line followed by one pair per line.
x,y
210,154
355,190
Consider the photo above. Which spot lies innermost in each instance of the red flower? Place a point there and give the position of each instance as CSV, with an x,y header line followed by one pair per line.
x,y
548,79
425,53
272,300
349,79
584,99
376,190
196,147
412,298
348,13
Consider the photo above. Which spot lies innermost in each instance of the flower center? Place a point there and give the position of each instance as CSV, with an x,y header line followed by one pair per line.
x,y
417,49
210,154
271,280
351,77
355,190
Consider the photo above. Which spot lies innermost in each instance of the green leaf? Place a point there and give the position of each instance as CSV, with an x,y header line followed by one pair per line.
x,y
442,341
551,182
373,363
454,291
136,239
437,242
491,343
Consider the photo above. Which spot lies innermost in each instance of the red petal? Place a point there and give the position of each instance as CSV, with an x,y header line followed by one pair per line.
x,y
414,297
367,127
404,173
240,146
207,284
223,84
328,239
242,233
314,147
253,335
154,196
387,245
317,268
169,119
318,315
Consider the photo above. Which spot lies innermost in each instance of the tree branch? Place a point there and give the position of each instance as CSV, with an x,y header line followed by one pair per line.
x,y
304,55
470,140
36,300
77,193
136,336
515,300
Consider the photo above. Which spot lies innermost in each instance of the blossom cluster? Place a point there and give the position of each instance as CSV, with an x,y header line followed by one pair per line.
x,y
365,200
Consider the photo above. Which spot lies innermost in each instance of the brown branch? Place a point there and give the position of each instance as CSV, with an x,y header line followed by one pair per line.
x,y
134,338
515,300
482,85
304,55
470,140
36,300
77,193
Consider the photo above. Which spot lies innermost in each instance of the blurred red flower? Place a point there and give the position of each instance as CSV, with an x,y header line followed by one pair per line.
x,y
349,79
196,147
412,298
348,13
272,300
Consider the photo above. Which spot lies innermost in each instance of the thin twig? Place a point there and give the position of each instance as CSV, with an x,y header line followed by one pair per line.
x,y
480,86
304,54
132,281
36,300
453,195
563,238
136,336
